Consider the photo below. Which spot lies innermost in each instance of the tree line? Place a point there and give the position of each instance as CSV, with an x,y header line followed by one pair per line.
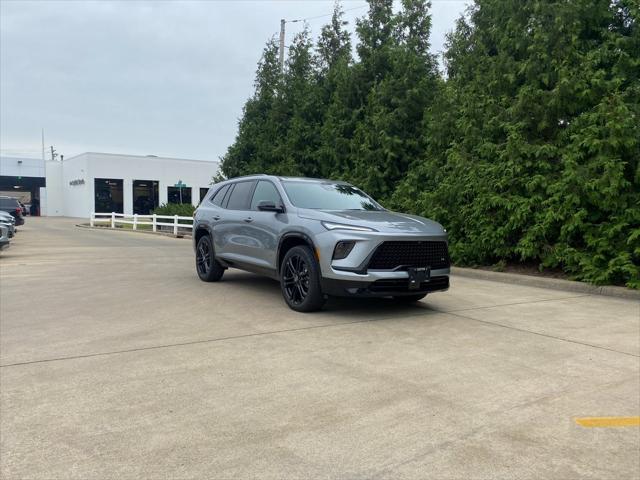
x,y
525,145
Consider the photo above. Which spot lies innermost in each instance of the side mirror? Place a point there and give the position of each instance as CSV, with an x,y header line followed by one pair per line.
x,y
269,206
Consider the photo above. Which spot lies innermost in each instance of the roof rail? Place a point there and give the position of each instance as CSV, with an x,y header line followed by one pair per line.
x,y
252,175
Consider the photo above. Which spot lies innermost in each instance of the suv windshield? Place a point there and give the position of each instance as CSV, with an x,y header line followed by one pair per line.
x,y
328,196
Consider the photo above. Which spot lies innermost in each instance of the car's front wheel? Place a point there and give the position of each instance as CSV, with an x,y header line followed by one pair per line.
x,y
300,280
208,268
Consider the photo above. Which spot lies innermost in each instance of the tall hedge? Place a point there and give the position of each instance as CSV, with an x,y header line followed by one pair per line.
x,y
526,147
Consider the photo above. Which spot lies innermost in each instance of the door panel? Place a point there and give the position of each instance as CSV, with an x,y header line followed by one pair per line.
x,y
229,235
263,227
231,227
262,234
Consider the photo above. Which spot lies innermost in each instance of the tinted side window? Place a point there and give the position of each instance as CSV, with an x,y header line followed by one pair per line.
x,y
239,199
219,196
265,191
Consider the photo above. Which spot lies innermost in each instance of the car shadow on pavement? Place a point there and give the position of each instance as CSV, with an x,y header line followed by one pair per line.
x,y
356,306
379,306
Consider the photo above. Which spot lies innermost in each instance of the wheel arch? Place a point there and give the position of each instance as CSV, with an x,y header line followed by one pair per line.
x,y
290,240
201,230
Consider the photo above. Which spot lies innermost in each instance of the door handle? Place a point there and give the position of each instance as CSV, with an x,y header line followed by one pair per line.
x,y
217,217
248,219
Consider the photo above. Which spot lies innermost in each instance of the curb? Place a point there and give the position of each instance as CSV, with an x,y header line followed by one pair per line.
x,y
545,282
162,234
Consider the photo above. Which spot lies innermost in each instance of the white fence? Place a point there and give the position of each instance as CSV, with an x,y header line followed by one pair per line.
x,y
136,221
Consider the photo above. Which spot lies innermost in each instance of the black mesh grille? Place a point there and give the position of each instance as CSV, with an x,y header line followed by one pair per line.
x,y
391,255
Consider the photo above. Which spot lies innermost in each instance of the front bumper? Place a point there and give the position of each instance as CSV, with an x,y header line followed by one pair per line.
x,y
382,288
350,277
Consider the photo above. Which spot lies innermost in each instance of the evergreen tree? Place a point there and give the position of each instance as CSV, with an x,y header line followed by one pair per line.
x,y
334,43
540,164
337,95
388,138
375,32
301,112
590,223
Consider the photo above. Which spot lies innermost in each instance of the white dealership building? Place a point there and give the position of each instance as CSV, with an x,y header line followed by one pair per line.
x,y
106,182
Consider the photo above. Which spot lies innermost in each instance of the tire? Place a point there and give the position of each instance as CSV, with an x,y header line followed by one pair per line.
x,y
207,267
300,280
410,298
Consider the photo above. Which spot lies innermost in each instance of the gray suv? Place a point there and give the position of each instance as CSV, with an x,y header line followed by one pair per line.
x,y
318,238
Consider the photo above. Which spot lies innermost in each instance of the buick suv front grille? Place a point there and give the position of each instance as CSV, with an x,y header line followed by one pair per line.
x,y
394,254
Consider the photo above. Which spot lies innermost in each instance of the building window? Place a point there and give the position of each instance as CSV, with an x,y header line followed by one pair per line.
x,y
108,195
179,195
203,193
145,196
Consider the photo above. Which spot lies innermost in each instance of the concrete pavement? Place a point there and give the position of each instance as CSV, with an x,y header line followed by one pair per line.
x,y
117,362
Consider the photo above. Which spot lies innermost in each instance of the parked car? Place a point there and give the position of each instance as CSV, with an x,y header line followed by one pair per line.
x,y
7,215
4,237
12,205
318,238
10,222
25,209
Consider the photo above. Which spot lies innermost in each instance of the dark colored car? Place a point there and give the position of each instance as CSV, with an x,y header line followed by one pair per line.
x,y
12,205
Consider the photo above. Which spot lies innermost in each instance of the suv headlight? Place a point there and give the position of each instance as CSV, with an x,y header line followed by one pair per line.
x,y
339,226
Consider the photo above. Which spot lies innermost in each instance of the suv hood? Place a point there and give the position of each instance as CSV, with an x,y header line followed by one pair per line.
x,y
380,220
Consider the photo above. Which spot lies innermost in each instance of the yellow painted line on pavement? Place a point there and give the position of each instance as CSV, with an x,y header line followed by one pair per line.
x,y
608,421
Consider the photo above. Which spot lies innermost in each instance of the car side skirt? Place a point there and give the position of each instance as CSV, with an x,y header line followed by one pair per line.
x,y
248,267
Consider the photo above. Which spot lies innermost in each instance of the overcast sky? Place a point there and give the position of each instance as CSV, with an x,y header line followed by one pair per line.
x,y
144,77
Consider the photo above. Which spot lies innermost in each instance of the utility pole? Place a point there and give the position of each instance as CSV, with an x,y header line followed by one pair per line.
x,y
281,50
43,145
53,153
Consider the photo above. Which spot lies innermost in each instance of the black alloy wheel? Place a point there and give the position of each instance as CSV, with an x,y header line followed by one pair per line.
x,y
300,280
295,279
203,258
208,268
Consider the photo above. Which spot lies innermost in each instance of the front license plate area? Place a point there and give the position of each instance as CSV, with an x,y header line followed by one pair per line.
x,y
418,276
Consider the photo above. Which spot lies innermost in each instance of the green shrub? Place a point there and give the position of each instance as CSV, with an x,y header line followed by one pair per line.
x,y
180,209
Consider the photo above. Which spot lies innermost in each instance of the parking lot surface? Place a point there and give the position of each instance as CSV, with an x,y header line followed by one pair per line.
x,y
117,362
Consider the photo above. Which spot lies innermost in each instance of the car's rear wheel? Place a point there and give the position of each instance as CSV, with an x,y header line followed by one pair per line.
x,y
410,298
300,280
208,268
